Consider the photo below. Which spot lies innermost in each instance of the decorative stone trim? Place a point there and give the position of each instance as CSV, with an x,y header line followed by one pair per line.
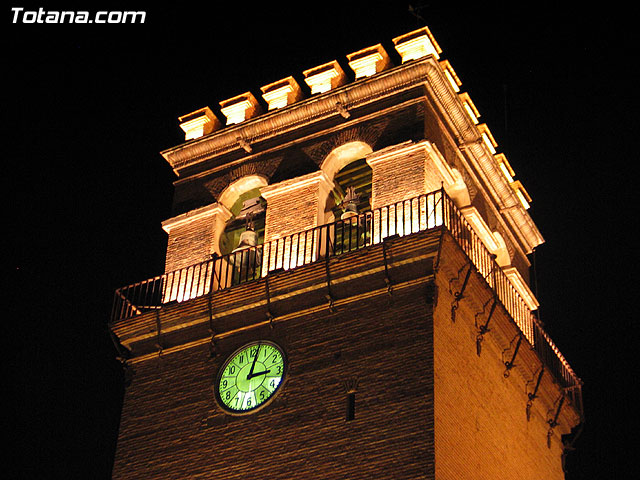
x,y
281,93
324,77
199,123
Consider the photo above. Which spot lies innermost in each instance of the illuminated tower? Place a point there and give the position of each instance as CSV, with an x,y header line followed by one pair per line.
x,y
346,291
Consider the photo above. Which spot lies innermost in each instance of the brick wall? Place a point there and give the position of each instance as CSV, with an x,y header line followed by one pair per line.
x,y
427,405
295,205
482,431
194,236
402,172
172,428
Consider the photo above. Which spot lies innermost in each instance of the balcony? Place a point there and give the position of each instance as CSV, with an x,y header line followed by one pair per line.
x,y
432,211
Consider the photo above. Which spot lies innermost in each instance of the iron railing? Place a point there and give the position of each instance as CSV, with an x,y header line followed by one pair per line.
x,y
425,212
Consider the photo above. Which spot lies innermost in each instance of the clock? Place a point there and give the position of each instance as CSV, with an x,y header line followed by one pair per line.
x,y
250,377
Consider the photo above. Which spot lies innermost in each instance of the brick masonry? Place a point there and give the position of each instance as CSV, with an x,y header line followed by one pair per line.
x,y
482,430
172,427
193,240
427,405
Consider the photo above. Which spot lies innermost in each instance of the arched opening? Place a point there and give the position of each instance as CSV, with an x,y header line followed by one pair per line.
x,y
352,177
242,198
239,243
352,192
351,196
246,226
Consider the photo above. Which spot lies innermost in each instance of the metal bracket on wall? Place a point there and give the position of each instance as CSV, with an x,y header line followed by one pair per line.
x,y
158,334
553,422
457,296
214,256
387,279
509,364
532,396
269,313
212,343
485,328
436,265
329,295
213,347
127,368
431,294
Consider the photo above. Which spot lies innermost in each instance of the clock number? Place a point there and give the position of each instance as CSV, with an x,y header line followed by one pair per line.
x,y
250,377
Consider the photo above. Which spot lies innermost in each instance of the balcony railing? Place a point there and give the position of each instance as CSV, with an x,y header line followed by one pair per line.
x,y
426,212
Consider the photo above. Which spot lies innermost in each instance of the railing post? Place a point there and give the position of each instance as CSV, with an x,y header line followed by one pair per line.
x,y
179,285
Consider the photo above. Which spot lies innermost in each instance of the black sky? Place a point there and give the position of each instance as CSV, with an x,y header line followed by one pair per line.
x,y
87,108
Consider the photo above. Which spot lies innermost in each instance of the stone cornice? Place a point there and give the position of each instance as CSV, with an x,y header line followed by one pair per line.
x,y
332,104
474,150
315,178
194,215
425,72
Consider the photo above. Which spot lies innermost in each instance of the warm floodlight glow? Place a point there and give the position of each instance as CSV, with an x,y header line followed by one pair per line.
x,y
480,227
240,108
522,288
365,66
236,113
321,82
368,61
450,75
488,139
281,93
469,107
471,113
199,123
324,77
521,193
417,44
505,167
278,98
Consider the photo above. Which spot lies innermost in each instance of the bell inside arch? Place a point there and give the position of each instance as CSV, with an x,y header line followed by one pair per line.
x,y
350,204
247,254
248,239
250,209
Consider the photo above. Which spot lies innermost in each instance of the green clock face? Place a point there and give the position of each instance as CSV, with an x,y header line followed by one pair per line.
x,y
250,377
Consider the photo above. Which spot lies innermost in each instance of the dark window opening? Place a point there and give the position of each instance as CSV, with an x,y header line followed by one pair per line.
x,y
252,203
356,176
351,406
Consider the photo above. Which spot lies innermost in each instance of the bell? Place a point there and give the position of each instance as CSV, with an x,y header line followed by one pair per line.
x,y
350,210
248,239
350,204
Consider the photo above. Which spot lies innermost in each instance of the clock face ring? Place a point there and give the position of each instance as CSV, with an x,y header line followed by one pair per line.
x,y
250,377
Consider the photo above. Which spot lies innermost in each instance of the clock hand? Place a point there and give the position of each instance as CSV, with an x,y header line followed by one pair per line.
x,y
253,365
251,375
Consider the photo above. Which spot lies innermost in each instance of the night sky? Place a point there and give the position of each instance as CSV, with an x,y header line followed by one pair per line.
x,y
88,108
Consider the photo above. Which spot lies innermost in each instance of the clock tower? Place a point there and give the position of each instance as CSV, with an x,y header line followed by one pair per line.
x,y
346,291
